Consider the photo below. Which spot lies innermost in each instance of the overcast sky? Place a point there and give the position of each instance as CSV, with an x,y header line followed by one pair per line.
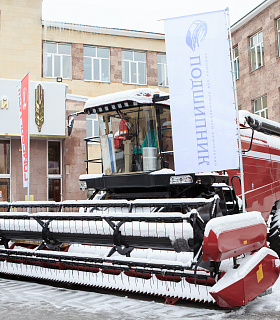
x,y
141,15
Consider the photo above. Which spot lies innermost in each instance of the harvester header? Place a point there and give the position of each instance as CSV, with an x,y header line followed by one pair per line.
x,y
144,228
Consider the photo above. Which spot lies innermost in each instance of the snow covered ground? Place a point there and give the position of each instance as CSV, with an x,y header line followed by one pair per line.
x,y
27,300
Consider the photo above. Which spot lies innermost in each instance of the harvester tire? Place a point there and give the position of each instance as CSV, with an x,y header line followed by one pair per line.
x,y
274,232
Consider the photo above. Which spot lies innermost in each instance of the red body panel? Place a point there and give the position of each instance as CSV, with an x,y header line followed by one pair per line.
x,y
262,276
232,243
142,275
261,167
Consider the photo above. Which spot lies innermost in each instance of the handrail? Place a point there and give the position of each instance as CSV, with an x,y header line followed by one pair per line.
x,y
96,160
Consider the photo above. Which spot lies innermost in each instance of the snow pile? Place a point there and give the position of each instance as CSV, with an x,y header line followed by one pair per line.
x,y
162,171
150,255
159,230
144,95
235,221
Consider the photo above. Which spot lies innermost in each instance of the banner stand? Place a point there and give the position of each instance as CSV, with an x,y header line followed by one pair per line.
x,y
28,188
204,110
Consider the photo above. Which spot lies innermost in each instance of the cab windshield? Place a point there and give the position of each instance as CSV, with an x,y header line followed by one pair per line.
x,y
130,140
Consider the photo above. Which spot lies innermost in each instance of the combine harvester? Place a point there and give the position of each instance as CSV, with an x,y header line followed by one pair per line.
x,y
147,230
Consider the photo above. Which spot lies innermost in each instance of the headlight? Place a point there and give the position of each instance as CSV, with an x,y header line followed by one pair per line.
x,y
181,179
83,185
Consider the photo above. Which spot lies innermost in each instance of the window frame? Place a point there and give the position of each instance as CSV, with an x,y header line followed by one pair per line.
x,y
8,175
99,63
130,62
278,35
60,55
55,176
254,48
235,62
265,110
164,66
94,124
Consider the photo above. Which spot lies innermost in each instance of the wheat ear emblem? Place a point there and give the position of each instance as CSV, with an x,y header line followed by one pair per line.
x,y
39,107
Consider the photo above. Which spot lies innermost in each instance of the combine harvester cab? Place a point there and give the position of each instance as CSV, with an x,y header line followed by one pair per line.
x,y
145,229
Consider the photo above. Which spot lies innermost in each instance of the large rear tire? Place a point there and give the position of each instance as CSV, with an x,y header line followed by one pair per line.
x,y
273,236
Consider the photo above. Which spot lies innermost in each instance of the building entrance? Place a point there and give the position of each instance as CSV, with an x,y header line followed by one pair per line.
x,y
4,170
4,189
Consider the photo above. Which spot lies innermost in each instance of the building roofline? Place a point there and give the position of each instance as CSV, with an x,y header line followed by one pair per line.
x,y
250,15
103,30
145,34
76,97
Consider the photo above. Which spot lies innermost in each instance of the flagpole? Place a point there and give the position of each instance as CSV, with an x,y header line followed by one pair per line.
x,y
237,116
28,188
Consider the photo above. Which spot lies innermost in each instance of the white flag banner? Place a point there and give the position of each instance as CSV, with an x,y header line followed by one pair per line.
x,y
201,93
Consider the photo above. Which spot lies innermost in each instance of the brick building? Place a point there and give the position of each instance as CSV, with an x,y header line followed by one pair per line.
x,y
91,61
255,40
87,61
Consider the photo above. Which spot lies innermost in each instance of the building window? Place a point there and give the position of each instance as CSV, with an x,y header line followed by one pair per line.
x,y
257,54
57,60
260,107
92,126
278,35
235,61
96,64
5,164
162,70
134,67
54,171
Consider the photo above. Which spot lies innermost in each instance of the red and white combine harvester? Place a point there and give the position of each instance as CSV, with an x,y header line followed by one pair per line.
x,y
147,230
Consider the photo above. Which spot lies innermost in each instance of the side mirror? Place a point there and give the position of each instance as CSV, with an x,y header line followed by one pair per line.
x,y
70,125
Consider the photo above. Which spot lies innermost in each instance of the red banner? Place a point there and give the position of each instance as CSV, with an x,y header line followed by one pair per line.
x,y
23,95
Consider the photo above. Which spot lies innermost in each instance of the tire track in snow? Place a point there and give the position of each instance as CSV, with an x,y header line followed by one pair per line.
x,y
109,306
28,300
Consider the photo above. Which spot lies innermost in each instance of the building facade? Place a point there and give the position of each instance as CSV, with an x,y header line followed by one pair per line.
x,y
255,40
84,61
47,131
